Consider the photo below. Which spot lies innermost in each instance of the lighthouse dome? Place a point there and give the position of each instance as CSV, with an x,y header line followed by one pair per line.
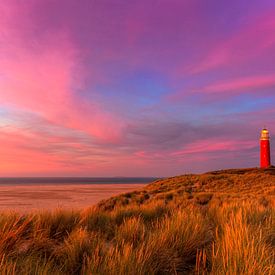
x,y
264,134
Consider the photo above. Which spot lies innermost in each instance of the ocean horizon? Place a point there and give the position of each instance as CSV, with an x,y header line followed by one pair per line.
x,y
74,180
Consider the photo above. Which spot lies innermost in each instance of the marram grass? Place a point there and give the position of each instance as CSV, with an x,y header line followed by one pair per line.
x,y
207,224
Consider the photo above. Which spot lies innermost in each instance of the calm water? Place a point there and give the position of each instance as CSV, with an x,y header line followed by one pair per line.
x,y
28,194
73,180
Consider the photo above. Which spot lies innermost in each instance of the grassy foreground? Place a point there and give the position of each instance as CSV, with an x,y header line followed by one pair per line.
x,y
215,223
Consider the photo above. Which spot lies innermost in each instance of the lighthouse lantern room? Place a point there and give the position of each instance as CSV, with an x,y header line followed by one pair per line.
x,y
265,149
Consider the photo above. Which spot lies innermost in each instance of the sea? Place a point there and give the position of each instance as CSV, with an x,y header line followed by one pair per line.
x,y
36,194
74,180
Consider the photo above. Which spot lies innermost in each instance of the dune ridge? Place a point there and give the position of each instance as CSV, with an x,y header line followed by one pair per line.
x,y
221,222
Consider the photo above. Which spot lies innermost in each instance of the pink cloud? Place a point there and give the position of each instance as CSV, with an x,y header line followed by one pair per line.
x,y
228,87
16,159
242,84
214,145
48,152
42,73
248,43
38,153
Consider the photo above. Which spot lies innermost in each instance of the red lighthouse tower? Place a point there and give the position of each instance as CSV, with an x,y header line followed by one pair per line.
x,y
265,149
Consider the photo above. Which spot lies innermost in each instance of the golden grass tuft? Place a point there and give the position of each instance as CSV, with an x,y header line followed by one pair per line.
x,y
217,223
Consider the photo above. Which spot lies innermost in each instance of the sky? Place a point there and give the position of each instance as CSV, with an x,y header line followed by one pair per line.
x,y
134,87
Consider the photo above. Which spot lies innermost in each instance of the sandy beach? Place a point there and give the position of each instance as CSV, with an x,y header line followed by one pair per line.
x,y
28,198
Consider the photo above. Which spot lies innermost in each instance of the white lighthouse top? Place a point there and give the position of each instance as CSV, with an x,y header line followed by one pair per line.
x,y
264,134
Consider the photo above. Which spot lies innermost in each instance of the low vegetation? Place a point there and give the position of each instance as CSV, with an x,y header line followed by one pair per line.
x,y
215,223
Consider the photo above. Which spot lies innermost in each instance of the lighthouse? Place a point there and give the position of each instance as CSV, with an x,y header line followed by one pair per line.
x,y
265,149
